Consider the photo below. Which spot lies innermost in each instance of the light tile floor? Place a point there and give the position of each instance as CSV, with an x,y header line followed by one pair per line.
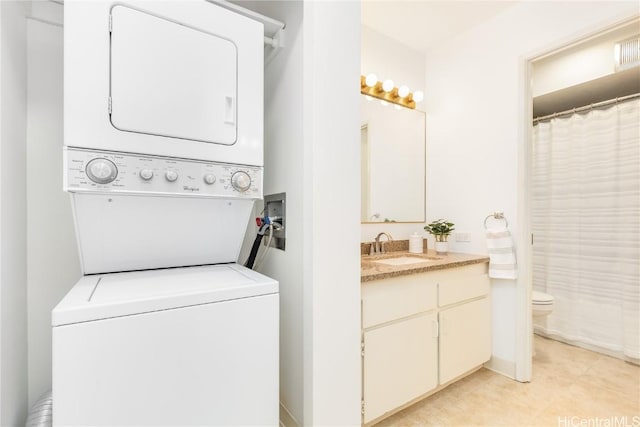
x,y
571,387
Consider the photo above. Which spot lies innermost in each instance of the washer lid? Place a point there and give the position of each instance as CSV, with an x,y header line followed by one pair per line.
x,y
122,294
541,297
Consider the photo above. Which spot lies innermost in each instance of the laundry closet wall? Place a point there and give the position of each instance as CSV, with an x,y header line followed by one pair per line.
x,y
307,141
13,318
52,253
283,155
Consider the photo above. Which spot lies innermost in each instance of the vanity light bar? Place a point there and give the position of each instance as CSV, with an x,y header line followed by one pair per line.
x,y
386,91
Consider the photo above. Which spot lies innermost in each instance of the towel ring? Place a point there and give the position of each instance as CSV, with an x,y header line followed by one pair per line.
x,y
496,215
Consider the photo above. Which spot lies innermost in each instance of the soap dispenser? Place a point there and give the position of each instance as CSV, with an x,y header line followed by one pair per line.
x,y
415,243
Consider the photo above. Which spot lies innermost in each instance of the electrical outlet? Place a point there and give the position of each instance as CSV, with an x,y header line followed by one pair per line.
x,y
462,237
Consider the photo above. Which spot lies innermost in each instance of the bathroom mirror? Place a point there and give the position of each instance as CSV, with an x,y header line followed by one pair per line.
x,y
392,142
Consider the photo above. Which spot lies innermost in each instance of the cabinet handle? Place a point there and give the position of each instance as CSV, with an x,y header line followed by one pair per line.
x,y
435,329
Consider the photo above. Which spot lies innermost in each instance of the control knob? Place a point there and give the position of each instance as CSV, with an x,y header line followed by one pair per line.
x,y
171,175
146,174
241,181
101,170
209,178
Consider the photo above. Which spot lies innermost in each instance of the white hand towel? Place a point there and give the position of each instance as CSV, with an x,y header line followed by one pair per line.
x,y
502,257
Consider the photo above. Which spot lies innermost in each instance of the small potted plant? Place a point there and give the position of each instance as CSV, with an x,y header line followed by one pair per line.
x,y
441,229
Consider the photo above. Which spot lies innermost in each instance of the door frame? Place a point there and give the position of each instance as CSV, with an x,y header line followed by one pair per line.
x,y
524,321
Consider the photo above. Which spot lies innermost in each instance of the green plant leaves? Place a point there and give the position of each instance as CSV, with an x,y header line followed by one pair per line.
x,y
440,228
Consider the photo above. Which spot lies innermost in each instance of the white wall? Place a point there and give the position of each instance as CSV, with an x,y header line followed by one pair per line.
x,y
13,289
476,126
319,270
588,61
389,59
331,207
52,254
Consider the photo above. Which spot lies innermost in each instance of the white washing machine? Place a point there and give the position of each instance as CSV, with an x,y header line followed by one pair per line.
x,y
163,161
195,346
165,328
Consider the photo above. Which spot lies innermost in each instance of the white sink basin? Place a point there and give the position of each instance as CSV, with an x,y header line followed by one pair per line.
x,y
404,260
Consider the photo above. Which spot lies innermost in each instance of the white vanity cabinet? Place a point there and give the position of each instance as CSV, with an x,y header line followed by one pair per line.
x,y
464,321
419,332
399,342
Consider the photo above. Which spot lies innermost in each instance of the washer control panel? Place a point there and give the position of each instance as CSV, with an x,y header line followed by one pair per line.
x,y
103,171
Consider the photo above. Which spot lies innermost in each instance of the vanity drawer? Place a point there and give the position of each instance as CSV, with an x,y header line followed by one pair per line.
x,y
396,298
463,284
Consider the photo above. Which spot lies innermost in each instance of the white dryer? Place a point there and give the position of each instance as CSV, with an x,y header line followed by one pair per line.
x,y
169,78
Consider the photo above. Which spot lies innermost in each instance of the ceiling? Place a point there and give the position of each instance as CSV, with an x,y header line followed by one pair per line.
x,y
420,24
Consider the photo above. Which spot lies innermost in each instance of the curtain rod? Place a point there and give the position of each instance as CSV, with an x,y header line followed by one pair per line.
x,y
586,107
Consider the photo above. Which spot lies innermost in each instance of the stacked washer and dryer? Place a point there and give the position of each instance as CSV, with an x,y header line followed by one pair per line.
x,y
163,160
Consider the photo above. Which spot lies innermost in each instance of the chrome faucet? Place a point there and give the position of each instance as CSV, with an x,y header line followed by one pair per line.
x,y
377,247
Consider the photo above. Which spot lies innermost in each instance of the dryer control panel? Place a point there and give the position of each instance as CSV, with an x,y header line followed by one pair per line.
x,y
106,172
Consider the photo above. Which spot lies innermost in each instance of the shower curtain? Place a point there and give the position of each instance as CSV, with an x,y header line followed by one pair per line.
x,y
586,227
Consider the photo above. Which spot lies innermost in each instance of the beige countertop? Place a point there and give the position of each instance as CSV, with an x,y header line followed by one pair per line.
x,y
371,270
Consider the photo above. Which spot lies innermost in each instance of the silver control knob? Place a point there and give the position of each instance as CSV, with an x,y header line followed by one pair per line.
x,y
101,170
146,174
171,175
209,178
241,181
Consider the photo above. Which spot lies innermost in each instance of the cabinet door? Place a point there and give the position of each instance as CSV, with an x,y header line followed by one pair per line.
x,y
465,338
400,364
396,298
458,286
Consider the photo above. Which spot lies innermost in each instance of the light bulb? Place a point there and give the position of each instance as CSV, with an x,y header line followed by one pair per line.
x,y
418,96
403,91
385,103
371,80
368,98
397,107
387,86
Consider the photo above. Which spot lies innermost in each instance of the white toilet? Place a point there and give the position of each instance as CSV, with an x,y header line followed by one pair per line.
x,y
541,304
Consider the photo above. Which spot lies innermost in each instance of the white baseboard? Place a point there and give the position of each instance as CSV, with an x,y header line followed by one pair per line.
x,y
501,366
286,419
540,330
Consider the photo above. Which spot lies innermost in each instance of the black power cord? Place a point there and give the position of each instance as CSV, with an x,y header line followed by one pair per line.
x,y
256,246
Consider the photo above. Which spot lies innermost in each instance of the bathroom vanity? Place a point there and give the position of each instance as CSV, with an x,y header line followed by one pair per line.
x,y
426,322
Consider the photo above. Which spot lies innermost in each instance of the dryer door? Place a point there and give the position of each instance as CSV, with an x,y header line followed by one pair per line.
x,y
170,79
177,79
